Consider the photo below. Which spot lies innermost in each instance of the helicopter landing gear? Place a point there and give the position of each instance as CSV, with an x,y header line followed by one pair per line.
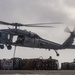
x,y
49,49
9,47
2,46
56,53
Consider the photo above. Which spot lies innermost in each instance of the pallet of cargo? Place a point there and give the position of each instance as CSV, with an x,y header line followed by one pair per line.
x,y
29,64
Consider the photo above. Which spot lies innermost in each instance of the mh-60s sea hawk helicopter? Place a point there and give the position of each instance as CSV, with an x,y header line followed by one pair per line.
x,y
30,39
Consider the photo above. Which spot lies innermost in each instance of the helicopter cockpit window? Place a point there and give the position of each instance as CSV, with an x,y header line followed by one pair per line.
x,y
0,34
36,36
32,35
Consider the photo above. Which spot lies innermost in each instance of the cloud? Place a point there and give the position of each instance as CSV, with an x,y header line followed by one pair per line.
x,y
70,3
32,11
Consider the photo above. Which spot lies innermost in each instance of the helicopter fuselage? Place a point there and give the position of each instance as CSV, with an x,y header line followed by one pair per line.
x,y
25,39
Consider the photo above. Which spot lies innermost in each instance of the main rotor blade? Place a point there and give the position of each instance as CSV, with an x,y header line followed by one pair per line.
x,y
41,24
5,23
67,30
29,25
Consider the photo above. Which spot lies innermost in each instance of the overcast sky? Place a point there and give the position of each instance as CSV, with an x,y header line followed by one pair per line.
x,y
39,11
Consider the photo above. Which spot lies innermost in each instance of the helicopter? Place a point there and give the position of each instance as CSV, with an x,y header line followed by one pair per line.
x,y
29,39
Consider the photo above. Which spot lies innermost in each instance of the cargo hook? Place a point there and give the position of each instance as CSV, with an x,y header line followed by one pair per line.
x,y
14,51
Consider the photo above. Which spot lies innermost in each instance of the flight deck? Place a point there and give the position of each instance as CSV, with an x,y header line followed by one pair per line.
x,y
37,72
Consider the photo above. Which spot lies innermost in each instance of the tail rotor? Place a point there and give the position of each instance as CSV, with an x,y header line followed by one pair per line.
x,y
74,29
68,30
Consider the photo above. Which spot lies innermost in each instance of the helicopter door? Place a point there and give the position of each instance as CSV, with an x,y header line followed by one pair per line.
x,y
20,39
14,39
0,34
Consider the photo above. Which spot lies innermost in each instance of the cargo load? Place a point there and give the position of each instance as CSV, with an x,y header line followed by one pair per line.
x,y
16,63
6,64
40,64
29,64
68,65
65,66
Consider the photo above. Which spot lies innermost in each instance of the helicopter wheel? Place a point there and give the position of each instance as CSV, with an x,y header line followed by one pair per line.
x,y
9,47
2,46
56,53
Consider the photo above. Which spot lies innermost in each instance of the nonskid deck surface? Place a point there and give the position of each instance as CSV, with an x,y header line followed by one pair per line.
x,y
37,72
